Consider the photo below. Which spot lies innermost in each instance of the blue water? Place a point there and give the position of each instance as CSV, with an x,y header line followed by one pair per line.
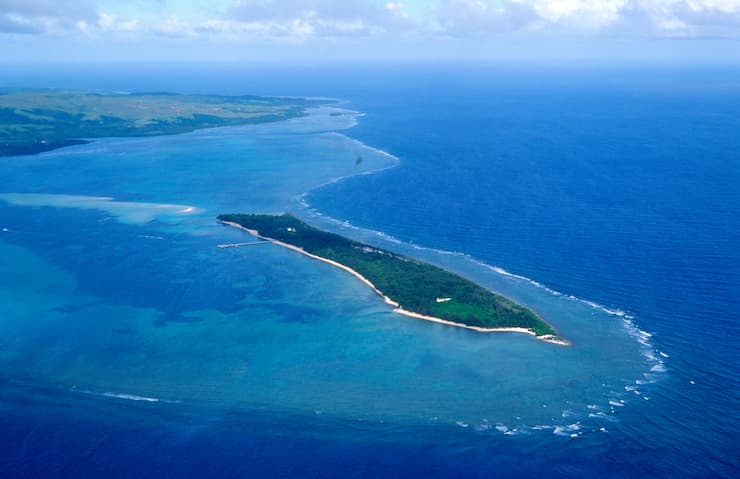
x,y
607,200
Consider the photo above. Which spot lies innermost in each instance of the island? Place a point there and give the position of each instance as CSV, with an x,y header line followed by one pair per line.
x,y
34,121
414,288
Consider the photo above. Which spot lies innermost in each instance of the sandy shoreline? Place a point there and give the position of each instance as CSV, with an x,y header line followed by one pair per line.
x,y
397,307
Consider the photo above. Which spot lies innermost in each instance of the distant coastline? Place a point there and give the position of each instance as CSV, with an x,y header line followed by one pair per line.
x,y
35,121
550,337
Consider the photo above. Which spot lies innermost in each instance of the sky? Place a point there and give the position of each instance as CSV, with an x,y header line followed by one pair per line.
x,y
315,30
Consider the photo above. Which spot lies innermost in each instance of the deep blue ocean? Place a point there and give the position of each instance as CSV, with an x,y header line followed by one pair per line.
x,y
606,198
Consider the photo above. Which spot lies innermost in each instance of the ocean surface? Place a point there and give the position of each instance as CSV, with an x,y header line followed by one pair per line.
x,y
606,199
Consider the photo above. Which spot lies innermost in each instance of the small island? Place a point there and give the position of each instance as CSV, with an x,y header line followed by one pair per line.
x,y
412,287
34,121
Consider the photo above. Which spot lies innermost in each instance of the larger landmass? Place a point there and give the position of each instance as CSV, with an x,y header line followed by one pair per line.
x,y
413,287
33,121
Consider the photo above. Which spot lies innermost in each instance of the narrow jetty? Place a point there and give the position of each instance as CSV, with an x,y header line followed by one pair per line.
x,y
239,245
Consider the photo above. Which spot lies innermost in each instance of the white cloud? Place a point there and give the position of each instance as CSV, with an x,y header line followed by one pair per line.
x,y
300,19
59,18
44,16
483,17
111,23
173,27
297,20
320,17
633,17
580,14
16,24
692,17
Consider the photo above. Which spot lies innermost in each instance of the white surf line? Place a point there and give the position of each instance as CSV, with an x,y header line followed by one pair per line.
x,y
397,307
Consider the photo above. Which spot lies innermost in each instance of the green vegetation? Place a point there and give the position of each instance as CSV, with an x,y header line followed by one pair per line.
x,y
418,287
32,121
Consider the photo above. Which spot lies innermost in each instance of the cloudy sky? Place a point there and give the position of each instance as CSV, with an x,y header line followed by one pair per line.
x,y
43,30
